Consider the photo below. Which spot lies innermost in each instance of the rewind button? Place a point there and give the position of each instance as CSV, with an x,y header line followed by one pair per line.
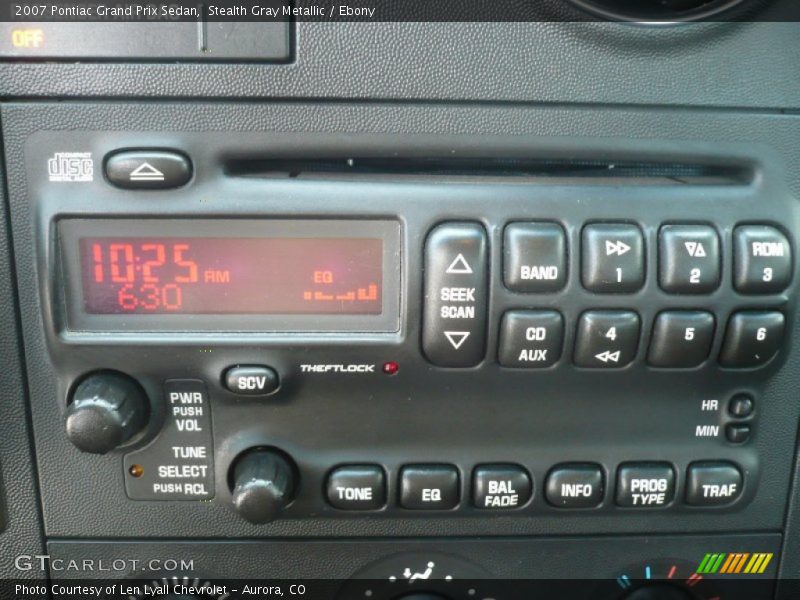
x,y
607,339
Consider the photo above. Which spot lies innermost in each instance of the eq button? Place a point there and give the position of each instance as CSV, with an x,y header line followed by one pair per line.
x,y
456,289
251,380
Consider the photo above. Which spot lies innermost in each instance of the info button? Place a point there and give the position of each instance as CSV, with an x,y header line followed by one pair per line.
x,y
252,380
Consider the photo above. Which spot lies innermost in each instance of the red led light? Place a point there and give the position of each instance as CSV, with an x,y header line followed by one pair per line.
x,y
390,368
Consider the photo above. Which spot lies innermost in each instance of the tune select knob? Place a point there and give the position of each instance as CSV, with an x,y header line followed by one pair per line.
x,y
106,410
263,483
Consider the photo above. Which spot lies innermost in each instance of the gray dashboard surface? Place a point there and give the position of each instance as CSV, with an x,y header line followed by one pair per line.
x,y
749,65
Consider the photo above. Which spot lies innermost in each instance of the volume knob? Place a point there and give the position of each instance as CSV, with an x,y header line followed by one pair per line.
x,y
263,483
106,410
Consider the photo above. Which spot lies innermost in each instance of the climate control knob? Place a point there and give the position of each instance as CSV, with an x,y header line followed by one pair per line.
x,y
263,484
659,591
106,410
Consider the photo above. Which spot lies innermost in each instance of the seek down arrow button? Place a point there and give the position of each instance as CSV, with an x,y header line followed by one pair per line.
x,y
456,290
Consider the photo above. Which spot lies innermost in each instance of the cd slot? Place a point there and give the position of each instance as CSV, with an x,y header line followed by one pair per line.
x,y
510,170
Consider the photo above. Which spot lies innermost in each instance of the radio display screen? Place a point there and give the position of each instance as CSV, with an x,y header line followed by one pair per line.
x,y
231,274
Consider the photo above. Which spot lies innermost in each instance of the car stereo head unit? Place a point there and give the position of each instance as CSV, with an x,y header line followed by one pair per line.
x,y
231,275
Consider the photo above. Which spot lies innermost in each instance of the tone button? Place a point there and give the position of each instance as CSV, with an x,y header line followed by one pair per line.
x,y
357,487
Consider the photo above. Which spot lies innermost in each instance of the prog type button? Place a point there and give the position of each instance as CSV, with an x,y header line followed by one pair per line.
x,y
645,485
148,169
251,380
499,487
689,259
607,339
752,338
612,258
575,485
712,483
681,339
357,487
530,339
535,257
762,260
456,290
429,487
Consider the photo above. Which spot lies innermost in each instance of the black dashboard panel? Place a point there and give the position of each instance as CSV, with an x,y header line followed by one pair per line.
x,y
588,299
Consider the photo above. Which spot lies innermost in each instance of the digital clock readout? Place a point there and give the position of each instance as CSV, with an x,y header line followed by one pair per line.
x,y
274,276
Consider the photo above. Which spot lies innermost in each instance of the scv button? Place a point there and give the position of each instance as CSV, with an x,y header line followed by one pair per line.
x,y
251,380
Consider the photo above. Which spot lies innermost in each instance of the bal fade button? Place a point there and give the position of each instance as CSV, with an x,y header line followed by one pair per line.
x,y
500,487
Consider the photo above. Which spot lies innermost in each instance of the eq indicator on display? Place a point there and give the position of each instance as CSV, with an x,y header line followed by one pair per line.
x,y
270,276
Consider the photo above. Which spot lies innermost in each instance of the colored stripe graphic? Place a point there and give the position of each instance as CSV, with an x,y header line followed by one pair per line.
x,y
735,563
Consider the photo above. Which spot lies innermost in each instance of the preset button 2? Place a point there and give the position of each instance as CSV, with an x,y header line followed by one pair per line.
x,y
689,259
456,290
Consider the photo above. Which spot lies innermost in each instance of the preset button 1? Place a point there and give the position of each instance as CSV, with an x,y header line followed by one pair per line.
x,y
456,290
612,258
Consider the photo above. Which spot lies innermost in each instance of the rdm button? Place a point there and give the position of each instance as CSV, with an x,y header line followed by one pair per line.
x,y
454,312
148,169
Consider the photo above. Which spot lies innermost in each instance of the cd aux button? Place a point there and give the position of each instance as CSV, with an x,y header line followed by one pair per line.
x,y
456,291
